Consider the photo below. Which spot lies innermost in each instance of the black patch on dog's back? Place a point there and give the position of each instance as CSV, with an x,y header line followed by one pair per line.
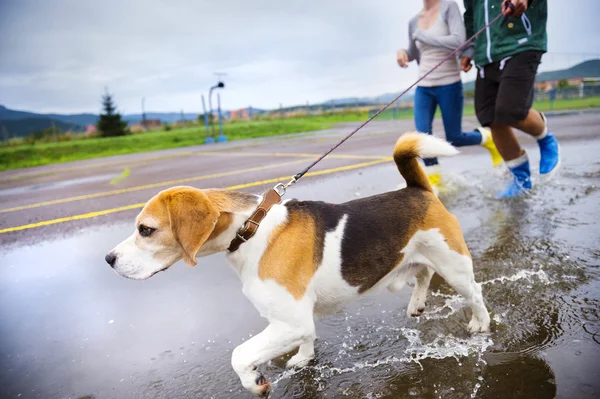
x,y
376,231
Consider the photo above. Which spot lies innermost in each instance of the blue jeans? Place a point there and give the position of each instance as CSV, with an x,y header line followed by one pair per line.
x,y
450,99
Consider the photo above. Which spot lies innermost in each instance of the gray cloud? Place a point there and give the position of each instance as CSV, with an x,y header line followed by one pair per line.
x,y
58,55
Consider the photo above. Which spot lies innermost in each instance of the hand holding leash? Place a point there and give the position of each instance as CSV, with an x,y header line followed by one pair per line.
x,y
513,8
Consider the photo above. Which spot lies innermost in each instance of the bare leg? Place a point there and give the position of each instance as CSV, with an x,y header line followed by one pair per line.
x,y
506,142
533,125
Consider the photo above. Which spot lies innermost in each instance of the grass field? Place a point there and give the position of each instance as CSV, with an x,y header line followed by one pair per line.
x,y
27,155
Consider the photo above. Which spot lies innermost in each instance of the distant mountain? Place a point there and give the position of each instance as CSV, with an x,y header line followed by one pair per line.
x,y
361,101
22,123
24,127
347,101
77,119
587,69
165,117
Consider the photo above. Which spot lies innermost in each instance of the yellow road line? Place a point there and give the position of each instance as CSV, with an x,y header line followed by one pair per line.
x,y
126,172
145,187
99,165
141,205
181,154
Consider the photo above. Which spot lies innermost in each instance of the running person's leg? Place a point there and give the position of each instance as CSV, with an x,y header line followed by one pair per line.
x,y
451,100
513,108
501,97
425,105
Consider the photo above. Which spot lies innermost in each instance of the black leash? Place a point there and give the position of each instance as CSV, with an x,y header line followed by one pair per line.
x,y
280,188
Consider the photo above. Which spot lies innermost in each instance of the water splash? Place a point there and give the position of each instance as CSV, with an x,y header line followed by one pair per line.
x,y
453,303
522,274
442,347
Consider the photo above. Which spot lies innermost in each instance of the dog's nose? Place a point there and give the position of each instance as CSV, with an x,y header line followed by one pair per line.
x,y
110,259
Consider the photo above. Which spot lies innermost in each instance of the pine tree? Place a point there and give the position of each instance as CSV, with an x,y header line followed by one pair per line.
x,y
110,123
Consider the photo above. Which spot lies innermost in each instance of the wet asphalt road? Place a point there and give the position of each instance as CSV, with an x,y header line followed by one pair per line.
x,y
70,327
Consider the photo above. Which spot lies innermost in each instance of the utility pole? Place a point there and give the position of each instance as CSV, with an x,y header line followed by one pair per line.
x,y
221,138
54,131
143,113
5,133
209,138
182,119
208,117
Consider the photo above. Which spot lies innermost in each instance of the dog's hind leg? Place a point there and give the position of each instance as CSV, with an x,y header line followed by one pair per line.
x,y
457,270
460,276
423,276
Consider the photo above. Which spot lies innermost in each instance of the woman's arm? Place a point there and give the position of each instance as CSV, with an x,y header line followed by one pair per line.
x,y
404,56
456,27
467,53
412,50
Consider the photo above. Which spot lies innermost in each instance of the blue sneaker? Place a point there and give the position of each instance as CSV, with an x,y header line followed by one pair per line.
x,y
549,155
521,183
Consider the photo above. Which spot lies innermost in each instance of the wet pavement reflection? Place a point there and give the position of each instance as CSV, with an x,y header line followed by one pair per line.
x,y
72,328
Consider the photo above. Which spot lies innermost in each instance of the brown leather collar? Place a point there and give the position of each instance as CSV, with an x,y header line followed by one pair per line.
x,y
247,231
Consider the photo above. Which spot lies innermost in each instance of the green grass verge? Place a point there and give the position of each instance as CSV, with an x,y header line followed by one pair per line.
x,y
564,105
27,155
469,109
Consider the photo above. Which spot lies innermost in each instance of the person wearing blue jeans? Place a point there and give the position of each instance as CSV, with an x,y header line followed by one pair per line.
x,y
435,32
450,100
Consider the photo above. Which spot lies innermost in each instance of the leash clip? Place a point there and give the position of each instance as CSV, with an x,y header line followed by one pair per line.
x,y
280,188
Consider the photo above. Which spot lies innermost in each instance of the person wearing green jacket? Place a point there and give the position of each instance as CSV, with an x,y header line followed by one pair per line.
x,y
507,56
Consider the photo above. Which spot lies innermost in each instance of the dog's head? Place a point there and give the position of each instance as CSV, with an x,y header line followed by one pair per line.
x,y
173,225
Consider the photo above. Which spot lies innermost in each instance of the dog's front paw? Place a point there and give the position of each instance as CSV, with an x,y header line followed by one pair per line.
x,y
416,308
298,361
479,326
263,386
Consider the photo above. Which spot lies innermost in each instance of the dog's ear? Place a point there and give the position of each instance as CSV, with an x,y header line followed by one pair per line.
x,y
193,218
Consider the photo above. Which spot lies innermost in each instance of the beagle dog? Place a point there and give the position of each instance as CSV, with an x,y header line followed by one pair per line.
x,y
308,258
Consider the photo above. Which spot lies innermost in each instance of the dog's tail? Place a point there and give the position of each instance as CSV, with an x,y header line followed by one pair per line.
x,y
414,145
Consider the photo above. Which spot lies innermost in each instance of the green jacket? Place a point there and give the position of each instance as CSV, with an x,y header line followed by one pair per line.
x,y
500,41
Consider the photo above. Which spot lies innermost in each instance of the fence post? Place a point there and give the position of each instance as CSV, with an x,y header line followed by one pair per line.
x,y
221,138
209,139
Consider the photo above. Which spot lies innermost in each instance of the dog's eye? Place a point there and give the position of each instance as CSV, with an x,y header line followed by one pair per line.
x,y
145,231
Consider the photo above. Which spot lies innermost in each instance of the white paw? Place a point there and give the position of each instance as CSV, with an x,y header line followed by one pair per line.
x,y
476,325
416,308
298,361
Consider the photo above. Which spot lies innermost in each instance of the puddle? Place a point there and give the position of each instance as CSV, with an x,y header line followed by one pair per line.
x,y
70,327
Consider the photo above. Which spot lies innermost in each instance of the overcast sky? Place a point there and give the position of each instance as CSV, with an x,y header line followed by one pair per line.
x,y
57,56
